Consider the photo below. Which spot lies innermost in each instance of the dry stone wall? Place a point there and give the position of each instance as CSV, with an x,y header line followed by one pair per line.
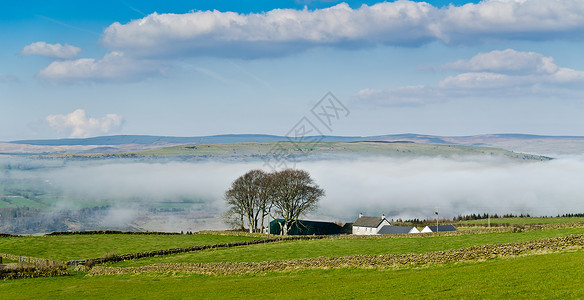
x,y
110,232
29,267
358,261
115,258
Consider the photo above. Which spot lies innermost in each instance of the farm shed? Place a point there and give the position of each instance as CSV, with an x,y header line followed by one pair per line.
x,y
441,228
369,225
305,227
391,229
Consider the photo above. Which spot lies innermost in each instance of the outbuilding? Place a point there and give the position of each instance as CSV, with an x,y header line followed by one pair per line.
x,y
305,227
391,229
439,228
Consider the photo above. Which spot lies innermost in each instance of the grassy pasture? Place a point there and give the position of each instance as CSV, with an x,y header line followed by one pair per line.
x,y
532,220
344,247
69,247
250,150
552,275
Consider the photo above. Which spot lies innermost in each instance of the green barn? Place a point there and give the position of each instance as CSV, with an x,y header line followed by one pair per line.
x,y
304,227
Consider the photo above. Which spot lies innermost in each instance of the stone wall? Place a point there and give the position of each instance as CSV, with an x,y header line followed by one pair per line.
x,y
357,261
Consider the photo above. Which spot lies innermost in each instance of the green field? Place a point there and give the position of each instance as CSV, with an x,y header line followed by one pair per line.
x,y
69,247
555,220
555,275
541,274
345,247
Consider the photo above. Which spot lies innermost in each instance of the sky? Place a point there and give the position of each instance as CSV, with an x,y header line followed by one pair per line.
x,y
194,68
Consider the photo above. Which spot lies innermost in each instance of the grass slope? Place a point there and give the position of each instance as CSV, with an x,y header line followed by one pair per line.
x,y
69,247
520,277
345,247
554,220
259,150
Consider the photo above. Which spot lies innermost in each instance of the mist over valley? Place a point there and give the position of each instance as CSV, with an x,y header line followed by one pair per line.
x,y
167,190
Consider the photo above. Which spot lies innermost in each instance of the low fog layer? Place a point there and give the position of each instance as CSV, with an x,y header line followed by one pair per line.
x,y
397,187
400,188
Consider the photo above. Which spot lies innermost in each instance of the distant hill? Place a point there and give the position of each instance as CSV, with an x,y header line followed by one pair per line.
x,y
288,151
536,144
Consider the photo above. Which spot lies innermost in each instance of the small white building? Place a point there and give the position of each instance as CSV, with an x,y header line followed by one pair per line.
x,y
439,228
369,225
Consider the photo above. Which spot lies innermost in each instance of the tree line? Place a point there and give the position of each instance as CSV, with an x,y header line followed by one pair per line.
x,y
255,195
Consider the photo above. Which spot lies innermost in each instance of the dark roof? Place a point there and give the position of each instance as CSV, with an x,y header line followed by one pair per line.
x,y
389,229
368,221
441,228
305,227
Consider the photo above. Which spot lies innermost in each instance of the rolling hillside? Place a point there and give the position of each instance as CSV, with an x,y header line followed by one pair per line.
x,y
535,144
320,150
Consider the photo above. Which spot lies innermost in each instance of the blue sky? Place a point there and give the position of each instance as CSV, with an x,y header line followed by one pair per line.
x,y
190,68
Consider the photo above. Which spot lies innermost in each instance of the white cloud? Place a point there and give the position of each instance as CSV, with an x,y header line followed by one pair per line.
x,y
403,96
276,32
115,66
78,124
512,19
51,50
507,61
284,31
507,73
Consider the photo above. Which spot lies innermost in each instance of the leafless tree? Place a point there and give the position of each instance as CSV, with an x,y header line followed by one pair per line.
x,y
294,193
248,197
291,193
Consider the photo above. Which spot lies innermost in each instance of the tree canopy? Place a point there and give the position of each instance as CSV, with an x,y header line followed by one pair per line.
x,y
286,195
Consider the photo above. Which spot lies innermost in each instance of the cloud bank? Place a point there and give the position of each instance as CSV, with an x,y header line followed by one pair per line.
x,y
51,50
506,73
138,48
406,188
399,23
79,125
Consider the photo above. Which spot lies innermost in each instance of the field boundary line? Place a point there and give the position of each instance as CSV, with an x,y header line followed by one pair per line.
x,y
473,253
90,262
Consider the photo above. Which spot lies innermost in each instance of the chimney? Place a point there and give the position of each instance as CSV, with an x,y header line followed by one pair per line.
x,y
360,215
383,216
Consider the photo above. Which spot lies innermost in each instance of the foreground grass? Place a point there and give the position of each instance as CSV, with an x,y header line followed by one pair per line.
x,y
553,275
68,247
345,247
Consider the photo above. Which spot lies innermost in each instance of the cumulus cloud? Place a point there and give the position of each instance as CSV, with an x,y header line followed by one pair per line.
x,y
138,47
51,50
113,67
275,32
403,22
78,124
506,73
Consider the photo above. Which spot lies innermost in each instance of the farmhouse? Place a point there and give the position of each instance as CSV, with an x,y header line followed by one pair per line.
x,y
369,225
440,228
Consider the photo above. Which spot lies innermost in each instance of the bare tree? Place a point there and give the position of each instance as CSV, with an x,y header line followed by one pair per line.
x,y
234,219
248,197
294,193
